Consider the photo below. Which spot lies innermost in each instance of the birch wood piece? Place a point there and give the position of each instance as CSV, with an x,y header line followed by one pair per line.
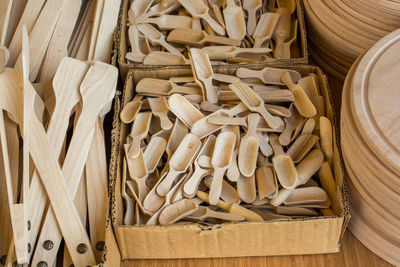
x,y
217,13
138,173
283,165
157,87
139,131
160,109
232,208
228,192
248,149
246,187
159,10
170,22
177,211
240,121
191,185
184,110
309,126
204,72
58,45
295,211
234,20
164,58
268,75
221,159
202,127
40,35
135,55
97,91
226,52
199,10
274,96
97,188
290,125
309,85
306,195
305,170
157,38
131,109
254,103
195,38
265,148
28,18
180,161
251,6
140,8
265,28
178,132
327,180
153,152
5,10
312,140
203,213
325,130
267,185
282,31
302,103
287,45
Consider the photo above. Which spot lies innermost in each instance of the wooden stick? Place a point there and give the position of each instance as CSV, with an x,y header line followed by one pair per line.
x,y
5,10
95,27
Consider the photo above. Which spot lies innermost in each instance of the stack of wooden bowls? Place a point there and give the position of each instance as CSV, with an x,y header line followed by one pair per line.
x,y
341,30
370,139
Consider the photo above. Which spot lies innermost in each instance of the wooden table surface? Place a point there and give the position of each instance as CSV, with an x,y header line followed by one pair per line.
x,y
352,252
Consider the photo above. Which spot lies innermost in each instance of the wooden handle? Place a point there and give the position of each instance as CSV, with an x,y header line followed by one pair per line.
x,y
191,185
214,25
252,120
134,149
166,124
251,20
216,185
225,216
211,94
274,140
165,185
273,121
221,40
169,47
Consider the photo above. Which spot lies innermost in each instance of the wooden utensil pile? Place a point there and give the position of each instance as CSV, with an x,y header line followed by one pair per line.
x,y
80,29
161,33
61,187
370,143
263,151
341,30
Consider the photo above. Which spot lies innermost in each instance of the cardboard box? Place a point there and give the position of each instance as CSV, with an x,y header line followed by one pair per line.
x,y
299,49
300,236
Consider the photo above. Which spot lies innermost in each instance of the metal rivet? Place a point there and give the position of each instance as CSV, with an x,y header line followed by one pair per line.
x,y
100,246
48,245
29,225
81,248
3,259
42,264
29,247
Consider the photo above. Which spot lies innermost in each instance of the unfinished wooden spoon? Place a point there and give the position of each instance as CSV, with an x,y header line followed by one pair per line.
x,y
129,202
135,55
251,6
221,159
234,20
199,10
184,110
246,187
170,22
157,38
203,213
263,140
140,7
226,52
232,208
154,151
233,172
191,185
138,173
204,72
248,149
282,31
180,161
131,109
178,132
268,75
254,103
290,125
265,28
139,132
198,38
228,192
327,180
177,211
301,102
325,132
287,44
267,185
164,58
159,87
289,4
283,164
306,195
160,109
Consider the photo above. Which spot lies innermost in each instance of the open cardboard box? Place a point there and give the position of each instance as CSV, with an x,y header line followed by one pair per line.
x,y
300,236
298,50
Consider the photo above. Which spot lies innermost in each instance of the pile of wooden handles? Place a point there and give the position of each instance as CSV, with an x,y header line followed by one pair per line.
x,y
161,32
263,149
56,185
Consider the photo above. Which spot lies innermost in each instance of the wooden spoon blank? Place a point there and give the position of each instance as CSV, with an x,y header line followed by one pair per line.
x,y
177,211
248,148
